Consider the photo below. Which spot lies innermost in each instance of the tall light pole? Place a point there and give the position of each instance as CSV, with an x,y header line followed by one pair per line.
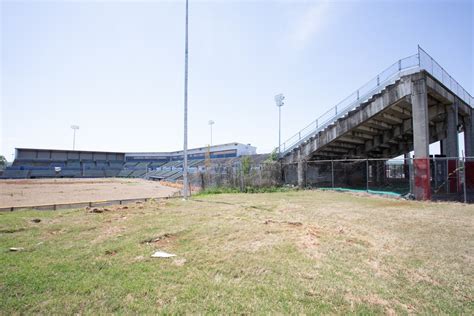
x,y
74,128
211,122
279,103
185,150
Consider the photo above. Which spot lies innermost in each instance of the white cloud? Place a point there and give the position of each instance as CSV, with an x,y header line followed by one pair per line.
x,y
311,22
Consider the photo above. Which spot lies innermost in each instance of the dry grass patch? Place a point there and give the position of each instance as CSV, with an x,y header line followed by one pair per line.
x,y
288,252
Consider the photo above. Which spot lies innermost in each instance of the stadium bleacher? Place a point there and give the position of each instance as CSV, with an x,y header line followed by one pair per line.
x,y
70,173
94,173
156,164
50,163
158,170
111,172
168,164
196,162
101,165
73,164
141,165
46,173
88,165
116,164
130,164
15,174
60,164
175,176
124,173
137,173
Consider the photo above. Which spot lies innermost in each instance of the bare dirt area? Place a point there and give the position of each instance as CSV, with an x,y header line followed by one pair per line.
x,y
32,192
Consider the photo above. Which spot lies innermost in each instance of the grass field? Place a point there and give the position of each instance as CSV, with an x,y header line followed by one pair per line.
x,y
298,252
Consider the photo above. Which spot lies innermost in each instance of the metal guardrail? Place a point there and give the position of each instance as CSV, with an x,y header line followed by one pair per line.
x,y
408,65
426,62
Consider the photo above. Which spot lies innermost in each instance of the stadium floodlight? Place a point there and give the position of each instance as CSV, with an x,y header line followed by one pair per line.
x,y
185,145
74,128
211,122
279,103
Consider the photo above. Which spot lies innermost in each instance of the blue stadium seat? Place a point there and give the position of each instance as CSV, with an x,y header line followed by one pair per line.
x,y
111,172
46,173
15,174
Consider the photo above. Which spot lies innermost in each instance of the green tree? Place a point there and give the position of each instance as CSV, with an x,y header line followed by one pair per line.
x,y
273,156
3,162
246,161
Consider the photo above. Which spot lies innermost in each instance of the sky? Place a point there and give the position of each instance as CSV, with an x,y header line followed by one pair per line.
x,y
116,68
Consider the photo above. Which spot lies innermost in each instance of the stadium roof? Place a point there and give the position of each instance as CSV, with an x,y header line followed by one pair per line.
x,y
70,150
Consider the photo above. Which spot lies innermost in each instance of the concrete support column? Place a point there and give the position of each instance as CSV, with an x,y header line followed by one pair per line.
x,y
451,142
452,148
469,150
421,140
301,171
469,135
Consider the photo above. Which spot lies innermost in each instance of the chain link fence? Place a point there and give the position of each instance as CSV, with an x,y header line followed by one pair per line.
x,y
369,174
237,174
452,179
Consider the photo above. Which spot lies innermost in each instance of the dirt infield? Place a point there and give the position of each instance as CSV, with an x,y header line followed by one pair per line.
x,y
29,192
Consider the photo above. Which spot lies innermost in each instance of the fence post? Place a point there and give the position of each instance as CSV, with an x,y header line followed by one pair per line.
x,y
367,173
446,172
378,81
399,64
464,178
332,173
241,179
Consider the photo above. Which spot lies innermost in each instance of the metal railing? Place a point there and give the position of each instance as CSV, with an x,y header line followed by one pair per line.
x,y
426,62
408,65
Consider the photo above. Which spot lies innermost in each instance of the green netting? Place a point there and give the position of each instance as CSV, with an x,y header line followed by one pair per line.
x,y
394,194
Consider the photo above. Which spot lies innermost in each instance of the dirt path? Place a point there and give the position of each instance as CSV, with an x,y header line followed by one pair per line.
x,y
55,191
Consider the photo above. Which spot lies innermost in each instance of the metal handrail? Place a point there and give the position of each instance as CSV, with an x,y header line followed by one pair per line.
x,y
426,62
404,66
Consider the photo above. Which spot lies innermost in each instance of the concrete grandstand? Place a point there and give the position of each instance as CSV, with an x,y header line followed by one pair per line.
x,y
410,105
53,163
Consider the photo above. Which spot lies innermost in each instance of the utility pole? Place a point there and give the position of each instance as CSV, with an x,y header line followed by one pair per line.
x,y
185,151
